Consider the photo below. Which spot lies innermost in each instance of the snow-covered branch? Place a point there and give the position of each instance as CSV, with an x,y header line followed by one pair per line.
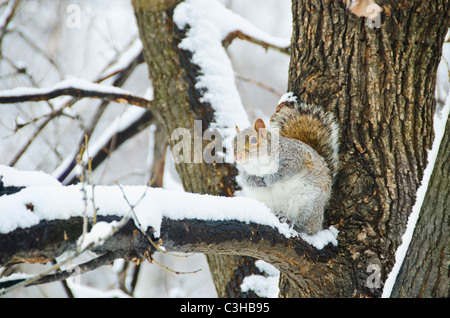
x,y
208,27
75,88
41,219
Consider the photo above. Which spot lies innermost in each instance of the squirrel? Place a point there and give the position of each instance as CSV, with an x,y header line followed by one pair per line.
x,y
291,166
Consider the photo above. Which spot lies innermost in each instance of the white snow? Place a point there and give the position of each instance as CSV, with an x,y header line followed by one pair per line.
x,y
322,238
13,177
97,235
288,97
209,24
267,268
51,201
263,286
151,204
440,120
442,74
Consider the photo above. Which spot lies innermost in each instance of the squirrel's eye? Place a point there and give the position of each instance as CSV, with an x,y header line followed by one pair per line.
x,y
253,140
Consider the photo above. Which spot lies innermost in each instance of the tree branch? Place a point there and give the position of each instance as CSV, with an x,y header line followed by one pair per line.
x,y
242,36
49,239
52,237
105,259
75,88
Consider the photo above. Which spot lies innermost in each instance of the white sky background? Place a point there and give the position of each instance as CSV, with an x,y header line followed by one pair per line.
x,y
107,28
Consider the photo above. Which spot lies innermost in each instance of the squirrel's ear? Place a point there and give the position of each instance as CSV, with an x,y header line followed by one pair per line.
x,y
259,123
237,129
260,127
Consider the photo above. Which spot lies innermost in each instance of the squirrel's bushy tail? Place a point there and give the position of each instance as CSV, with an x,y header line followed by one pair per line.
x,y
310,124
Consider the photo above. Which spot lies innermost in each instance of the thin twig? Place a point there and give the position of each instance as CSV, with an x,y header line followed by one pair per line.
x,y
46,277
242,36
174,271
24,148
258,83
37,48
85,198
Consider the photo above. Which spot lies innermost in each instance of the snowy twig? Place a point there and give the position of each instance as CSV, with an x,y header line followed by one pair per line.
x,y
46,277
123,60
76,88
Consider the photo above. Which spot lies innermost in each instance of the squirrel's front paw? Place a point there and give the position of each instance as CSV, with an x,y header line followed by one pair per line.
x,y
254,181
284,219
260,183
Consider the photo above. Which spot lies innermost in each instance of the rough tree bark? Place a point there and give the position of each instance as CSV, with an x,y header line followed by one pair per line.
x,y
426,268
380,83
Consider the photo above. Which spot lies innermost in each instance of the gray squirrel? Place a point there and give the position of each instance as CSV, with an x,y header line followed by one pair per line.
x,y
291,166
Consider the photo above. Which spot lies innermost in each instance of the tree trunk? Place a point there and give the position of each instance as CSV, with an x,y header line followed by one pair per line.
x,y
176,102
380,83
425,270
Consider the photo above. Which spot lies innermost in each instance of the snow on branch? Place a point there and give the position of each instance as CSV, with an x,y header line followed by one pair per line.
x,y
72,87
40,221
209,25
227,23
35,204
